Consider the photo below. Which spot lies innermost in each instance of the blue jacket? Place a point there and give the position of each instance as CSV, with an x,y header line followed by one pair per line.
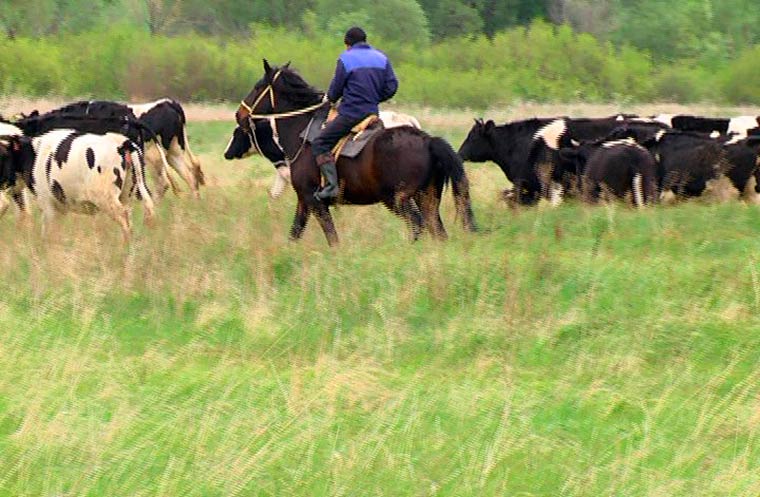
x,y
364,78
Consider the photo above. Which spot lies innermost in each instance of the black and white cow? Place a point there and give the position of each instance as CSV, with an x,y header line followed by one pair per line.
x,y
509,146
165,119
68,170
690,164
18,197
262,140
620,167
565,133
738,126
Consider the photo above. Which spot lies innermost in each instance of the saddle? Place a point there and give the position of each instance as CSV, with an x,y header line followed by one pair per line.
x,y
353,143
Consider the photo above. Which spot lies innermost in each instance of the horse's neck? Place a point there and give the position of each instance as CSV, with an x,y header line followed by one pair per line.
x,y
289,130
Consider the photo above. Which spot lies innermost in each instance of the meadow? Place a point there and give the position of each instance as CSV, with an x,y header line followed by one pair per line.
x,y
576,351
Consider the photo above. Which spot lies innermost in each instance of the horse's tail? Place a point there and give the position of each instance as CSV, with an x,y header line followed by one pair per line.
x,y
446,160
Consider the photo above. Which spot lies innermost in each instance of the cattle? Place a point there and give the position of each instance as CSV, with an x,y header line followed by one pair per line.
x,y
263,140
101,118
619,167
68,170
563,133
507,145
19,197
690,164
165,119
739,126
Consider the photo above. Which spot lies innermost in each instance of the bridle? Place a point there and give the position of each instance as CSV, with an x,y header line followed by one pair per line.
x,y
273,117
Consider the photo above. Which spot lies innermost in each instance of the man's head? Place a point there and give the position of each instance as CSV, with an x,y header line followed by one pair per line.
x,y
354,35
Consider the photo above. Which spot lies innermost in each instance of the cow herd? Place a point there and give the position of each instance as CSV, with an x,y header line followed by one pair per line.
x,y
92,156
644,160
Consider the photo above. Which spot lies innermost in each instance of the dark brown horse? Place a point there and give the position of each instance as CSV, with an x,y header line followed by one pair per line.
x,y
404,168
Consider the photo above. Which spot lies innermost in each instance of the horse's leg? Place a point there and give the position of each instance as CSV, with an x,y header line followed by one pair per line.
x,y
325,220
299,221
429,201
407,209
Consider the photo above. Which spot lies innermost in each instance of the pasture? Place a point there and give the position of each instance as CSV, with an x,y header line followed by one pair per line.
x,y
576,351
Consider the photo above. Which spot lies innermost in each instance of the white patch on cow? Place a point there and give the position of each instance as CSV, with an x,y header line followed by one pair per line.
x,y
575,143
741,125
281,180
721,189
658,136
140,109
555,194
638,194
396,119
620,117
735,139
628,142
657,157
715,134
551,133
7,129
668,197
666,119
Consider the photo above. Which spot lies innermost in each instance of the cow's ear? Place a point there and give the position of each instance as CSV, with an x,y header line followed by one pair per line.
x,y
267,67
489,126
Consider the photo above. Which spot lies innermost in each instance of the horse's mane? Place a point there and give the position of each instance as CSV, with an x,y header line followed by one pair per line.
x,y
297,89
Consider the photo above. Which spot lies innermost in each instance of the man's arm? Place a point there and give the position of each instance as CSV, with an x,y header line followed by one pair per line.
x,y
390,86
337,84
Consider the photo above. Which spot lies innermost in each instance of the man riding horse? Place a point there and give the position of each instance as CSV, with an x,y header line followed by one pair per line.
x,y
363,78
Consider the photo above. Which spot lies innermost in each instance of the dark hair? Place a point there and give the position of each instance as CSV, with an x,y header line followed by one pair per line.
x,y
354,35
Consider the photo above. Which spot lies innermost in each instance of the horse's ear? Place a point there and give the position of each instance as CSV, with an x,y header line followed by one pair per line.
x,y
267,67
287,64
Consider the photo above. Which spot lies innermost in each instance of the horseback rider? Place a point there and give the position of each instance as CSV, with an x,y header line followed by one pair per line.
x,y
363,78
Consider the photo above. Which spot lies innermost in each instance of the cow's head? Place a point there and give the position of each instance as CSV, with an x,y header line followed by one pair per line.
x,y
240,145
573,159
478,146
261,139
16,157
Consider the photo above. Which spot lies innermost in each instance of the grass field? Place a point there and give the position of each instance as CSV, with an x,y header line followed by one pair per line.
x,y
574,351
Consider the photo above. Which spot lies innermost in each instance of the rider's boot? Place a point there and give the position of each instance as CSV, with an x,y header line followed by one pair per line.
x,y
329,171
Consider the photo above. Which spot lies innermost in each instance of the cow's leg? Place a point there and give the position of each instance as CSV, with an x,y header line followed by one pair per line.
x,y
149,212
299,221
49,217
176,158
326,222
4,203
20,198
153,157
119,213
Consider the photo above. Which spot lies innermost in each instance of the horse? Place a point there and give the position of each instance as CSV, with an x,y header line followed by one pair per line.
x,y
404,168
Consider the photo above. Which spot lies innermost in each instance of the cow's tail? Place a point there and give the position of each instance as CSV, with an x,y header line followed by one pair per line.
x,y
446,160
196,164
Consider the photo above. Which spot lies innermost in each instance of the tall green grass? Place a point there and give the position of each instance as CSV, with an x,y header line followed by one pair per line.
x,y
577,351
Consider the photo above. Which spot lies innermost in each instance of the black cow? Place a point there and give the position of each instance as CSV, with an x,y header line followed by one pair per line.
x,y
564,132
617,167
508,146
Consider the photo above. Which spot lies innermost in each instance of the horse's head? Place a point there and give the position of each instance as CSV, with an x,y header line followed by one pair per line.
x,y
478,147
261,99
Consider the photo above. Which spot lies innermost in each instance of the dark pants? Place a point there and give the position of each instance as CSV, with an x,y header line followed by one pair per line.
x,y
333,132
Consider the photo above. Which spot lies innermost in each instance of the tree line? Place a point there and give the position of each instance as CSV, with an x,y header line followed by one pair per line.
x,y
455,53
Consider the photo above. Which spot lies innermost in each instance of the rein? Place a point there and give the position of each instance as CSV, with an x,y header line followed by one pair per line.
x,y
272,118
